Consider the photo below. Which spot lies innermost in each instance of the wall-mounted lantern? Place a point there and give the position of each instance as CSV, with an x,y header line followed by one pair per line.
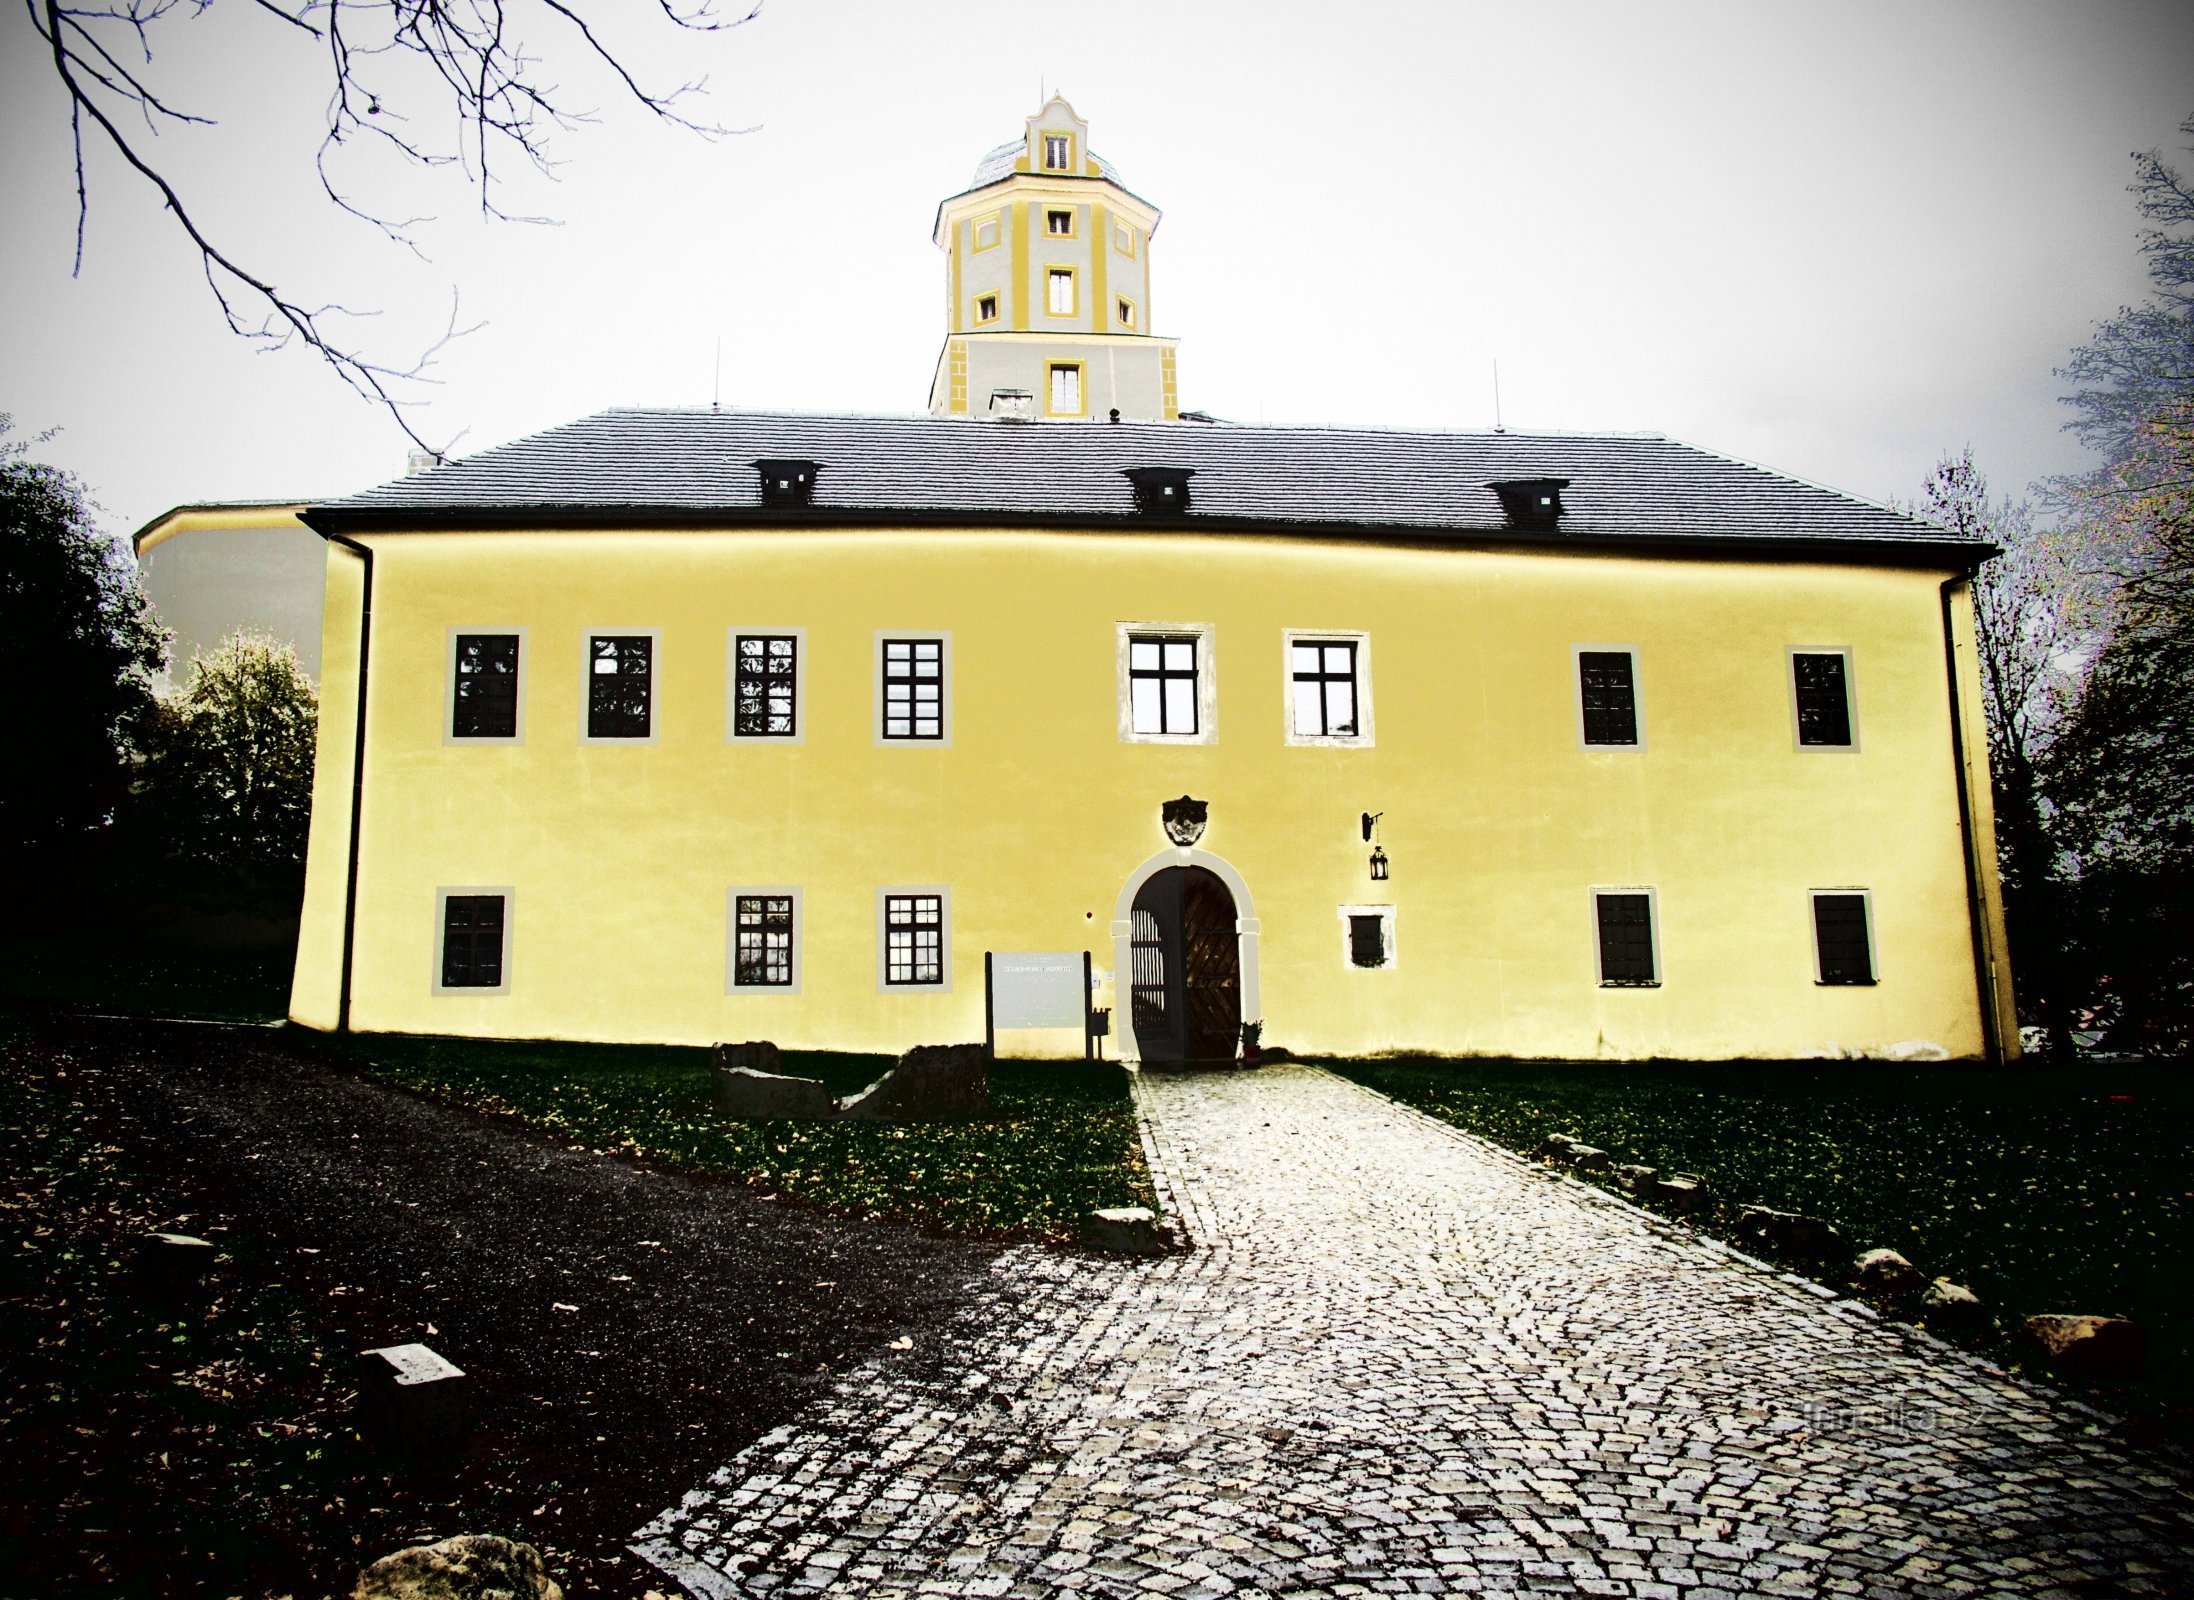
x,y
1378,856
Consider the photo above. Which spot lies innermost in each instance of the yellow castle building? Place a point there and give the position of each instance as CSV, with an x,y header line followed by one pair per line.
x,y
679,726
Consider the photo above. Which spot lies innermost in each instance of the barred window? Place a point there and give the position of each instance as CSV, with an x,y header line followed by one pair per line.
x,y
1626,940
620,685
765,933
472,941
1610,697
484,686
1324,687
1161,676
765,686
914,938
1822,682
914,688
1841,942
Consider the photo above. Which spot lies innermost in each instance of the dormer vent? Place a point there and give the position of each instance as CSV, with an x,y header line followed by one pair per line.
x,y
1160,490
1534,503
1013,405
788,482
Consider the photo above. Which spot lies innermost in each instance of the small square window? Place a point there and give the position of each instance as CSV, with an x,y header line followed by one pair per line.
x,y
1059,223
484,686
1065,394
1058,152
472,941
1820,683
1328,683
986,308
766,684
1167,695
620,690
1123,239
1624,919
1843,936
1059,291
986,233
765,941
913,689
1124,308
1367,936
1607,697
914,939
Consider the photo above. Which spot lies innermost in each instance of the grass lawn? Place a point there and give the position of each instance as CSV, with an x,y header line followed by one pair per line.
x,y
1059,1140
2043,1189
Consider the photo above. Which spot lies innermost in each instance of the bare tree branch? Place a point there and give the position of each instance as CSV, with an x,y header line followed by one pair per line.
x,y
485,81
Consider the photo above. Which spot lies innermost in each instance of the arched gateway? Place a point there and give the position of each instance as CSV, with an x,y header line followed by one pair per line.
x,y
1185,950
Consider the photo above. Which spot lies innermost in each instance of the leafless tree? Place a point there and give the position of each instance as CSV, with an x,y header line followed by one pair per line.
x,y
435,83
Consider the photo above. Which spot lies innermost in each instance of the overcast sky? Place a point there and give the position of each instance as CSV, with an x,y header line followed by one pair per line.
x,y
1834,238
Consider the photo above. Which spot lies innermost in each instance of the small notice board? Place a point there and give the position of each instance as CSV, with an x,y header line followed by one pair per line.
x,y
1035,989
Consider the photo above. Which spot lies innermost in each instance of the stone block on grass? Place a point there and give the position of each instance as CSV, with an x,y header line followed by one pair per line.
x,y
746,1092
412,1401
1887,1275
1635,1178
1124,1230
1951,1307
2101,1349
931,1080
1792,1234
472,1566
1679,1191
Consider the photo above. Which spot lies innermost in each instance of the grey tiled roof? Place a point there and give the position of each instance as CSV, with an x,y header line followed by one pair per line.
x,y
688,464
999,164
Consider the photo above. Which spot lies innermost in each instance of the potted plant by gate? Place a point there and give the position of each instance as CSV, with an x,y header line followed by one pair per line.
x,y
1251,1033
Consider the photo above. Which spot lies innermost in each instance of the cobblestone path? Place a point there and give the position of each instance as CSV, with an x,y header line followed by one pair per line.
x,y
1400,1360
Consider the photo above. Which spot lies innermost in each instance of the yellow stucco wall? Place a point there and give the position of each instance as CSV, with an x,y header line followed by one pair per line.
x,y
1498,824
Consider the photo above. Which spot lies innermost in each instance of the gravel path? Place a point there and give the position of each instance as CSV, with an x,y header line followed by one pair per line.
x,y
1402,1360
624,1329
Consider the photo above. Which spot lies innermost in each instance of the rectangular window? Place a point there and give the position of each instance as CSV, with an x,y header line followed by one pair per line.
x,y
1059,224
620,698
1058,151
1126,311
1322,675
765,684
1607,694
1162,683
1066,389
1123,236
986,233
915,948
1367,936
1059,295
1820,682
764,928
986,308
1843,936
474,953
484,685
912,688
1625,919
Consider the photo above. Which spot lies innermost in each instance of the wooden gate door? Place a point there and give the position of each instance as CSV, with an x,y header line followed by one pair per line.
x,y
1185,983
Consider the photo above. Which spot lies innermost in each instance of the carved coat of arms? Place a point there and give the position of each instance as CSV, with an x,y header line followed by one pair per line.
x,y
1184,820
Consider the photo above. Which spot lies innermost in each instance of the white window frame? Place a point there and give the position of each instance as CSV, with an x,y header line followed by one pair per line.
x,y
442,894
1653,930
450,735
943,637
1791,653
1043,152
1577,653
799,637
1385,914
587,636
1366,729
1207,682
1813,933
1053,272
732,985
944,940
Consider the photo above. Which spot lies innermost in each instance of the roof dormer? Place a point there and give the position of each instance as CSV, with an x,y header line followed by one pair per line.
x,y
1058,143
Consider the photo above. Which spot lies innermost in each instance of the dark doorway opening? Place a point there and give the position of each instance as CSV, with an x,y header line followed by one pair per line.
x,y
1186,979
